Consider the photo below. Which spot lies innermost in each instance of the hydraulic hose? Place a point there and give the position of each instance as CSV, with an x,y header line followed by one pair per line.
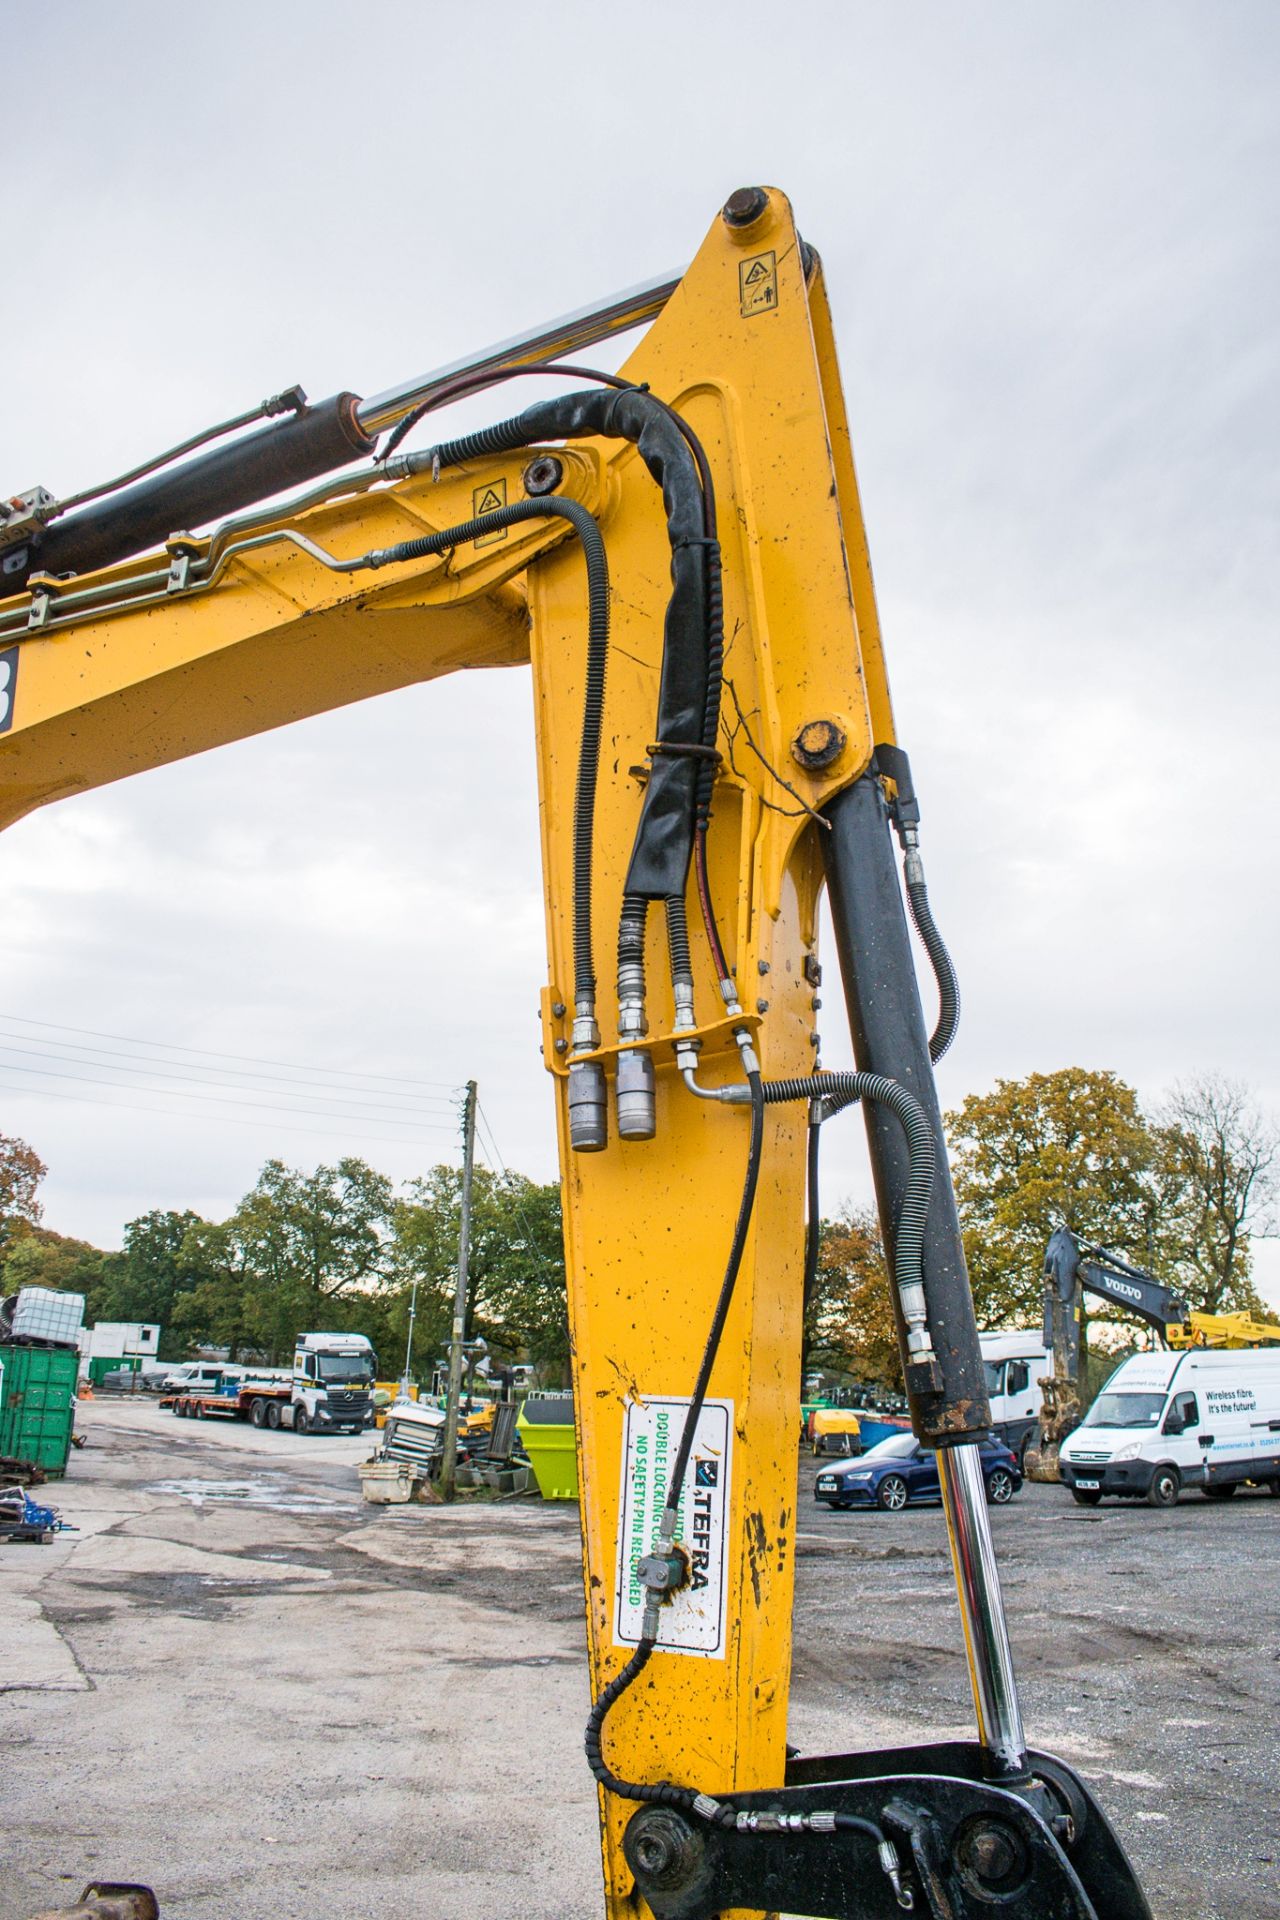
x,y
663,844
549,508
837,1090
678,939
664,1793
943,969
504,437
631,986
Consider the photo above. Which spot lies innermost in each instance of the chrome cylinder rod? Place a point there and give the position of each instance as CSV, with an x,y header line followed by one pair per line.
x,y
548,342
986,1635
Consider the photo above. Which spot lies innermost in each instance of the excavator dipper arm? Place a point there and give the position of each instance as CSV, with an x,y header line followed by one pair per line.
x,y
679,554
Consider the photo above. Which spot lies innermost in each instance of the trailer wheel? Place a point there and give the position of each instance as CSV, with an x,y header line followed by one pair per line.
x,y
1165,1487
258,1413
1086,1499
200,1410
273,1414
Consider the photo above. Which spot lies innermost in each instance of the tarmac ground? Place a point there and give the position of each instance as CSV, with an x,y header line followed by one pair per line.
x,y
238,1683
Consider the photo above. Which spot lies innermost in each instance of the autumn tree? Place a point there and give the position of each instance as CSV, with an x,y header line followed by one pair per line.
x,y
148,1279
516,1264
42,1258
848,1322
21,1171
1216,1158
308,1249
1067,1146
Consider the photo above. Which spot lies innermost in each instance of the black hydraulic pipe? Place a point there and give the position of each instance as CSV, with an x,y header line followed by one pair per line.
x,y
889,1038
315,441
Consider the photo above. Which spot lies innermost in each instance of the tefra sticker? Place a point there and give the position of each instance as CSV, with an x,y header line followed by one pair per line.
x,y
694,1620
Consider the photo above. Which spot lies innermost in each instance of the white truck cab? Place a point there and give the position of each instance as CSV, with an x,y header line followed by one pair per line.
x,y
1015,1363
333,1376
1165,1421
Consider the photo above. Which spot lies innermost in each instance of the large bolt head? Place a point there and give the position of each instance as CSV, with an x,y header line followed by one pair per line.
x,y
663,1850
993,1854
543,475
744,208
818,744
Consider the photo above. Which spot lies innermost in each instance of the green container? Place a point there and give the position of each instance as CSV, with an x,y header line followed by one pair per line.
x,y
104,1364
37,1401
549,1443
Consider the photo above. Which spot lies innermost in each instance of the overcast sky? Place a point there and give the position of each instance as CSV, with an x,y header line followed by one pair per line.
x,y
1049,236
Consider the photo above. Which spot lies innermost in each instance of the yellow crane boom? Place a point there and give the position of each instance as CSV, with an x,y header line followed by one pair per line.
x,y
752,756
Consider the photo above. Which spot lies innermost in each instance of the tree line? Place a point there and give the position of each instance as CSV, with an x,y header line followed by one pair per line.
x,y
337,1248
1182,1191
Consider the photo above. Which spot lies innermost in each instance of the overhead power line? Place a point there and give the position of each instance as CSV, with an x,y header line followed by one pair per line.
x,y
220,1119
308,1089
245,1059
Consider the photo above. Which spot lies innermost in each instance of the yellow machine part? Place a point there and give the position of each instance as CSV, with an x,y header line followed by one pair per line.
x,y
744,350
1224,1330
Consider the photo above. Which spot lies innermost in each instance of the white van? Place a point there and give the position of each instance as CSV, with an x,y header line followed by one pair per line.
x,y
1014,1364
1165,1421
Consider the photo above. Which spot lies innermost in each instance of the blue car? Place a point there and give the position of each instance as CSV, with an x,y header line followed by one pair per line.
x,y
900,1473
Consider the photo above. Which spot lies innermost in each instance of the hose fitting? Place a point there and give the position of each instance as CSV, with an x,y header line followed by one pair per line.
x,y
636,1095
588,1107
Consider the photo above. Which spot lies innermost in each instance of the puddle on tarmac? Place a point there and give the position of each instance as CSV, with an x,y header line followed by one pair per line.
x,y
266,1490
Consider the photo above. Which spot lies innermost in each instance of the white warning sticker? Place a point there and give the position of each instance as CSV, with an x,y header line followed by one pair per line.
x,y
694,1620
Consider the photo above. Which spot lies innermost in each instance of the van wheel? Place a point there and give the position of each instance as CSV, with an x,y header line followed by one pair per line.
x,y
1165,1487
1219,1493
258,1413
1086,1499
273,1414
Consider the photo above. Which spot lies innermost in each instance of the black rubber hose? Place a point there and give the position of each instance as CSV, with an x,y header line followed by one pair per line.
x,y
746,1205
837,1090
943,970
659,865
584,807
715,676
664,1793
678,939
631,926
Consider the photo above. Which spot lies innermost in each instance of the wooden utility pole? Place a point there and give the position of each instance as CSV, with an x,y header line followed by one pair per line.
x,y
448,1466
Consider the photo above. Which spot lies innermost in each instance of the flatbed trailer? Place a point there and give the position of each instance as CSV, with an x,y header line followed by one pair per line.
x,y
263,1403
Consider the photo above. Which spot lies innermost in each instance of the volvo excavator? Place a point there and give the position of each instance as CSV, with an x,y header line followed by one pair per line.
x,y
678,553
1071,1269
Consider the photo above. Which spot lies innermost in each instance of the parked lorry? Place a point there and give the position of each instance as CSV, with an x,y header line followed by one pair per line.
x,y
1015,1363
1165,1421
329,1391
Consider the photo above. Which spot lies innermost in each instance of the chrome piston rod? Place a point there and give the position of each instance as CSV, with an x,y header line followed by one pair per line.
x,y
550,341
986,1634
